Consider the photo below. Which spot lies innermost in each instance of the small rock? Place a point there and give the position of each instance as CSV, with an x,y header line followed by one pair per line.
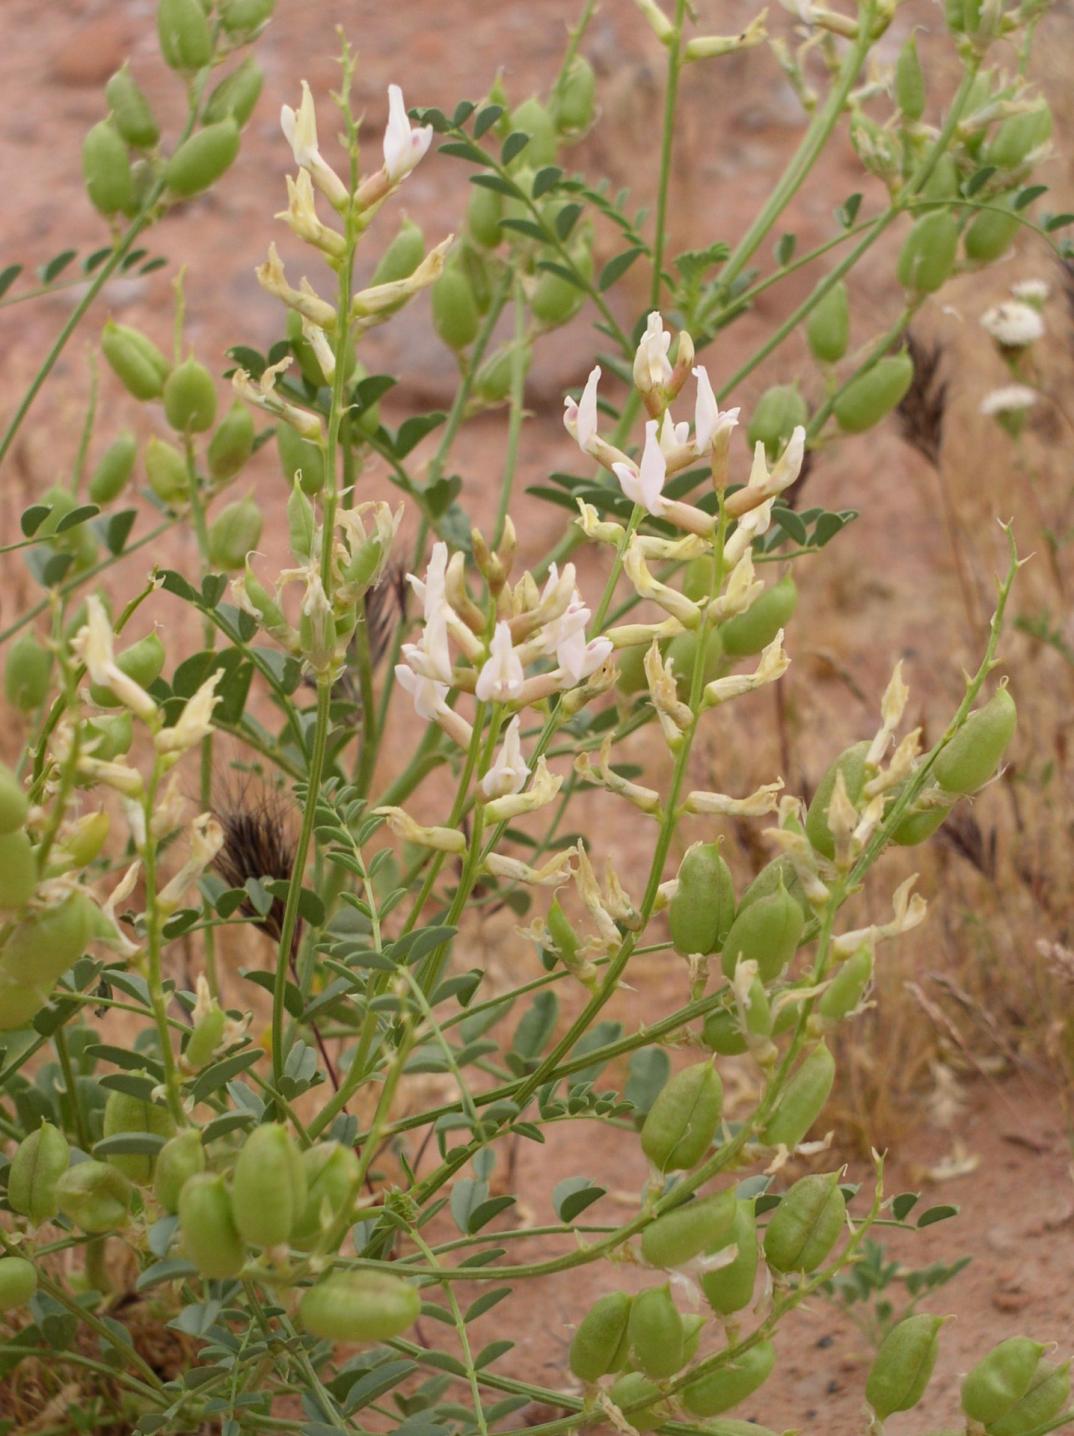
x,y
92,52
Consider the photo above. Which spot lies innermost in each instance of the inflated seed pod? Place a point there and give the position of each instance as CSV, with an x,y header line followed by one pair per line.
x,y
202,159
776,415
730,1288
871,396
910,81
680,1125
130,110
269,1186
26,673
703,908
359,1306
233,442
532,118
554,299
483,214
657,1339
1046,1397
766,932
929,252
39,950
143,661
39,1162
974,753
95,1196
402,256
601,1343
106,168
698,578
331,1170
726,1387
234,532
236,96
1018,136
828,325
802,1101
186,40
722,1033
682,654
639,1399
210,1238
301,459
631,665
851,763
205,1037
1000,1380
678,1236
942,183
181,1158
244,17
111,735
14,805
779,873
574,97
114,469
747,633
903,1365
18,1282
915,827
806,1225
848,987
166,471
126,1113
135,360
18,870
190,398
455,313
991,233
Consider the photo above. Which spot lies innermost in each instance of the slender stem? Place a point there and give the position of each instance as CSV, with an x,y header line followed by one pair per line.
x,y
667,144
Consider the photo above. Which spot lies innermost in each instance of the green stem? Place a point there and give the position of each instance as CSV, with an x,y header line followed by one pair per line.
x,y
667,143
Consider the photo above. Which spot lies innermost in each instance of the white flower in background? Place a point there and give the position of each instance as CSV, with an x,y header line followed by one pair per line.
x,y
673,437
1031,291
501,676
652,367
300,132
428,694
644,483
1011,398
404,146
432,593
564,636
510,770
709,423
580,415
1013,324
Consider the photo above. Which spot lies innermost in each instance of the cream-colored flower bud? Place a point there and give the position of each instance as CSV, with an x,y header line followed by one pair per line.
x,y
374,305
774,663
272,277
300,131
542,790
93,646
558,869
706,47
674,716
762,800
909,910
206,840
264,395
595,528
602,775
301,215
669,599
444,840
194,723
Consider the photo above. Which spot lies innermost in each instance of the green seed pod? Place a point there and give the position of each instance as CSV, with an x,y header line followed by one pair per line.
x,y
848,986
917,827
851,763
686,1231
202,159
806,1225
991,233
928,253
532,118
39,950
234,532
1046,1397
125,1113
803,1100
26,673
84,839
779,873
181,1158
455,313
729,1385
18,870
974,753
910,81
492,383
190,398
18,1282
205,1037
111,735
233,442
903,1365
210,1238
1018,136
402,256
95,1196
776,415
828,326
766,932
703,908
36,1168
166,472
236,96
130,110
682,654
483,214
300,459
871,396
639,1398
245,17
269,1187
942,183
136,360
20,1002
680,1125
359,1306
723,1034
730,1288
114,469
601,1343
573,100
555,300
14,805
631,665
78,541
106,168
331,1170
697,578
143,661
656,1335
186,40
999,1381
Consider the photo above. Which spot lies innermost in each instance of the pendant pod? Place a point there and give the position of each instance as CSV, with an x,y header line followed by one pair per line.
x,y
639,1400
929,252
236,96
131,114
747,633
723,1034
779,873
730,1288
143,661
269,1186
205,1038
181,1158
682,654
402,256
14,805
806,1225
26,673
657,1339
492,383
38,951
331,1170
210,1237
631,665
803,1100
703,908
871,396
766,932
726,1387
18,870
682,1121
455,314
135,360
554,299
202,159
106,168
601,1343
186,41
532,118
95,1196
18,1282
233,442
848,987
166,472
190,398
974,753
1046,1397
234,532
942,183
915,827
483,215
991,232
244,17
33,1177
686,1231
125,1113
910,81
903,1365
1018,136
698,578
851,764
112,733
574,99
1000,1380
114,469
828,325
301,459
359,1306
777,414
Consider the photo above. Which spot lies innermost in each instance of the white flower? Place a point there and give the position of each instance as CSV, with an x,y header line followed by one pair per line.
x,y
1013,324
300,132
436,609
403,146
510,771
427,693
1032,291
672,436
565,637
652,367
709,423
644,483
93,646
1009,399
580,415
501,676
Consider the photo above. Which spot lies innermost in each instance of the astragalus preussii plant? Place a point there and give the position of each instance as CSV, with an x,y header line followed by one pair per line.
x,y
246,1191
